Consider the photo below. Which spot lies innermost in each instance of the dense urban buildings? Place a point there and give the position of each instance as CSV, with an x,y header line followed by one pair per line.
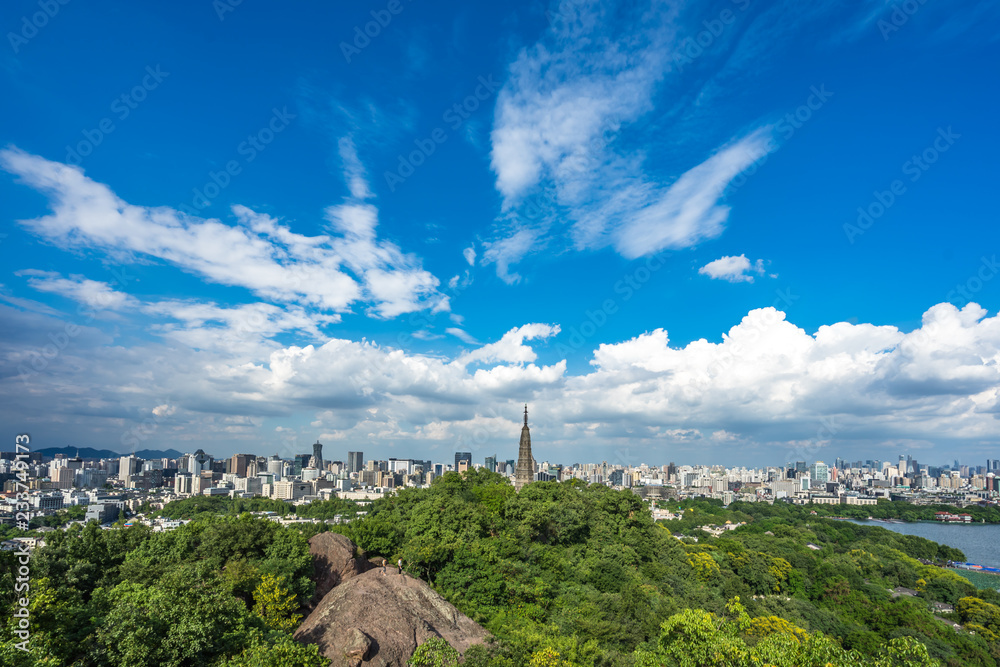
x,y
109,486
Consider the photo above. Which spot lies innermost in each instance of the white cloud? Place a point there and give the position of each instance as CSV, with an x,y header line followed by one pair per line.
x,y
246,329
510,348
765,388
354,171
325,272
507,251
239,329
557,131
734,269
97,295
689,210
462,335
470,255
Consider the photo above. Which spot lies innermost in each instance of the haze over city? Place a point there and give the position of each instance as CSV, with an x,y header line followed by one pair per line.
x,y
733,233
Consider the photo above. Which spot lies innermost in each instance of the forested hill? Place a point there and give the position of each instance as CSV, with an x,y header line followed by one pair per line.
x,y
583,571
562,575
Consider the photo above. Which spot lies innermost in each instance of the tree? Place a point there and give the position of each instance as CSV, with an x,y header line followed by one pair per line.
x,y
275,604
153,626
283,651
435,652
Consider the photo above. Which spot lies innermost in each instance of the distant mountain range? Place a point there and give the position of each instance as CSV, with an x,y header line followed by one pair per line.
x,y
91,453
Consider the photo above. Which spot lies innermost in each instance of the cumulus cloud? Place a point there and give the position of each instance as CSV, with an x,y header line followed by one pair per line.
x,y
164,410
733,269
260,254
766,387
511,348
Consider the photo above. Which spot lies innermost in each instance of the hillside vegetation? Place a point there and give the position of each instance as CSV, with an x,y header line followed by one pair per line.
x,y
561,574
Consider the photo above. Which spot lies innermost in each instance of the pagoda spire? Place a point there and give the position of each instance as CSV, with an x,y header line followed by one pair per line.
x,y
525,472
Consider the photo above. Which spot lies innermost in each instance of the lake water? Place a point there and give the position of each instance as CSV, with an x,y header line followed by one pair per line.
x,y
980,542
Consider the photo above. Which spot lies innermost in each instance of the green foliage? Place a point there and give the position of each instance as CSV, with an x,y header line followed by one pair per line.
x,y
133,597
154,625
61,517
329,509
278,651
561,574
275,604
435,652
696,638
189,508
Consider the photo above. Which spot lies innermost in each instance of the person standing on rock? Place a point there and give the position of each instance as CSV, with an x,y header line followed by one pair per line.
x,y
400,564
383,567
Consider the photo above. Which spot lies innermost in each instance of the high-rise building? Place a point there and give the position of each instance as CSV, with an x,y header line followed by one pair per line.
x,y
491,463
404,466
183,483
128,466
63,479
239,463
276,467
819,473
525,472
199,463
299,462
355,461
318,455
463,456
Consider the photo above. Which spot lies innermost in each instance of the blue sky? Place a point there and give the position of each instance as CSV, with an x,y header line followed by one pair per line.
x,y
734,232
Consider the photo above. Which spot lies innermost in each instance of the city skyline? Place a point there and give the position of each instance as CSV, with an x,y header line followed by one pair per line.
x,y
677,232
355,461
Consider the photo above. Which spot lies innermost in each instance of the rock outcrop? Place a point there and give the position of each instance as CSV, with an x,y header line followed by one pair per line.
x,y
334,561
371,618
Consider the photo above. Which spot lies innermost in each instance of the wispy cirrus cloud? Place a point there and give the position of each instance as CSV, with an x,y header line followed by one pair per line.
x,y
329,273
92,293
557,131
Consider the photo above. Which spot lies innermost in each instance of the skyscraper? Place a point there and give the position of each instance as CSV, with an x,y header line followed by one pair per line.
x,y
525,472
819,473
299,462
463,456
355,461
491,463
276,466
239,464
199,462
127,467
318,455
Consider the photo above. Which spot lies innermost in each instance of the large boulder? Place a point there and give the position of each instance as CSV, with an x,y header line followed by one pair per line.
x,y
379,619
334,561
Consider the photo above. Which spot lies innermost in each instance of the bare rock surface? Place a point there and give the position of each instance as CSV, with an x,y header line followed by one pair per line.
x,y
378,620
334,561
